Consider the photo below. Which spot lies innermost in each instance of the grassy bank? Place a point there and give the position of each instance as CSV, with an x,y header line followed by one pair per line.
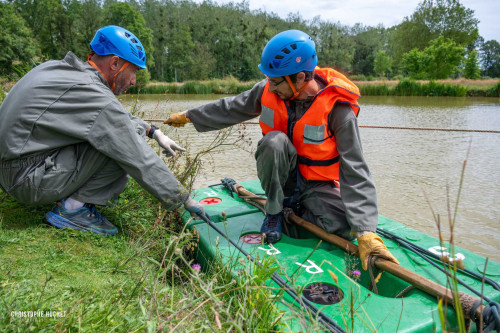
x,y
139,280
216,86
405,87
142,279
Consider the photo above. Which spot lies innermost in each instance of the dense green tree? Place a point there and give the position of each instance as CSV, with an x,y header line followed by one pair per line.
x,y
382,64
334,45
445,57
414,64
447,18
490,58
16,39
180,46
186,40
367,42
88,20
431,19
438,61
52,24
472,70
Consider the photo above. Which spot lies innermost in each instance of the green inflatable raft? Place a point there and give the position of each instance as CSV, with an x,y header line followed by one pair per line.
x,y
331,282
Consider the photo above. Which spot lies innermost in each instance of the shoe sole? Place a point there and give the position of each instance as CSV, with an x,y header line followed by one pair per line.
x,y
60,222
271,239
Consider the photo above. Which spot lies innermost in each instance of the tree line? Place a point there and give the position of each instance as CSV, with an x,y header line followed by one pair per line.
x,y
185,40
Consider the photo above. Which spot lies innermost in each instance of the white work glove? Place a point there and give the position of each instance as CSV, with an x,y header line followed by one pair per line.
x,y
194,207
168,144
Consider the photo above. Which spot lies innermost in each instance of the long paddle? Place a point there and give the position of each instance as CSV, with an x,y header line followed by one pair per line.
x,y
467,301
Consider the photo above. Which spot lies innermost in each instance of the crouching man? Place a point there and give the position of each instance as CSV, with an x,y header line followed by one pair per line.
x,y
64,136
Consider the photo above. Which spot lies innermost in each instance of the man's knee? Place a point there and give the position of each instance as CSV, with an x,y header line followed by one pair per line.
x,y
274,140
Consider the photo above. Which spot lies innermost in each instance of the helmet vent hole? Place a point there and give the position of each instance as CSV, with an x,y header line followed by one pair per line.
x,y
278,57
271,66
133,40
127,34
286,51
293,46
138,47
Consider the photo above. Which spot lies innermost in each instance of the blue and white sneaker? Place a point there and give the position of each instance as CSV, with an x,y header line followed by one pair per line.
x,y
85,218
271,228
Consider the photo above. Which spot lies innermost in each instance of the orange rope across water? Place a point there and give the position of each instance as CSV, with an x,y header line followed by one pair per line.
x,y
388,127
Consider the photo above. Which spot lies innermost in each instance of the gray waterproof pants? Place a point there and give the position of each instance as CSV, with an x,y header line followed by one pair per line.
x,y
78,171
276,161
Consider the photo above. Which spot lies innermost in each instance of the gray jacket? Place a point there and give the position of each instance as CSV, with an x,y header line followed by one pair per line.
x,y
356,185
65,102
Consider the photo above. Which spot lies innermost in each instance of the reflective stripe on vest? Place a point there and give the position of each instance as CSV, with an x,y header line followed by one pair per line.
x,y
318,158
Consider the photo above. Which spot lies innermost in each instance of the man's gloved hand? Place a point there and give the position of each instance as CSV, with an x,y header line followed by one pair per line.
x,y
371,244
168,144
194,207
178,119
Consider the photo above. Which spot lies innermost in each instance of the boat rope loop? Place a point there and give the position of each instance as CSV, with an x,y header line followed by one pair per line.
x,y
232,186
490,321
372,269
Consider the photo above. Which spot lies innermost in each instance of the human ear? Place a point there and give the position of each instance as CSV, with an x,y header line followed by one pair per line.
x,y
114,63
301,76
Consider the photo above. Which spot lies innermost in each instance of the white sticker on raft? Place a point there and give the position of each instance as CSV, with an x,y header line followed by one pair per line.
x,y
210,194
271,251
443,252
312,268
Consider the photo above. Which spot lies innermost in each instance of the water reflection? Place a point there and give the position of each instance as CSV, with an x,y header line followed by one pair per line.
x,y
412,169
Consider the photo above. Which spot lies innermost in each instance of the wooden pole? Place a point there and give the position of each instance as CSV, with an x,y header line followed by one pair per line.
x,y
404,274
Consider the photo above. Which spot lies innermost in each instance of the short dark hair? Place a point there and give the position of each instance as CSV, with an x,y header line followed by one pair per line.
x,y
309,76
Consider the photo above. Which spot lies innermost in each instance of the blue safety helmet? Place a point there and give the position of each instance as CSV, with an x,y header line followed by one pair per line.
x,y
121,42
287,53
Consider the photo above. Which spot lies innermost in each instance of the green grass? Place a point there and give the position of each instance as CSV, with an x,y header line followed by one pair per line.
x,y
407,87
93,278
139,280
228,85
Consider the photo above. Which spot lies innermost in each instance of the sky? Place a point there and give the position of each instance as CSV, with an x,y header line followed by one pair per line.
x,y
373,12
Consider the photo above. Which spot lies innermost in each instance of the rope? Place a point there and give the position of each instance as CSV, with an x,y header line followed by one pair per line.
x,y
490,320
405,291
371,265
433,129
390,127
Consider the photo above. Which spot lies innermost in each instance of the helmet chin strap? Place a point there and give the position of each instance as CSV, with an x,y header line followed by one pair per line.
x,y
295,92
91,63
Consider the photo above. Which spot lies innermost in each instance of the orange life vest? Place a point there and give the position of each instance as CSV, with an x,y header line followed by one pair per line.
x,y
318,158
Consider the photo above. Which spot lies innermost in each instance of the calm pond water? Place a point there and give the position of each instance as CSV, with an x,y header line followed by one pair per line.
x,y
413,169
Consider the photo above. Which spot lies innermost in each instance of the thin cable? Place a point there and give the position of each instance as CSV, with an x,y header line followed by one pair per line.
x,y
399,239
414,249
328,322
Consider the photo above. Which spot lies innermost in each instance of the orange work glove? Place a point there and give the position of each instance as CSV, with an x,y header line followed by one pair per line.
x,y
178,119
371,244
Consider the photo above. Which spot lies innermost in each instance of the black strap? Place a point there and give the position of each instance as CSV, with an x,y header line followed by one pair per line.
x,y
152,130
319,141
309,162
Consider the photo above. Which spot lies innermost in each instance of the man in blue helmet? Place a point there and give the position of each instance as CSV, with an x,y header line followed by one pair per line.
x,y
65,137
310,156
